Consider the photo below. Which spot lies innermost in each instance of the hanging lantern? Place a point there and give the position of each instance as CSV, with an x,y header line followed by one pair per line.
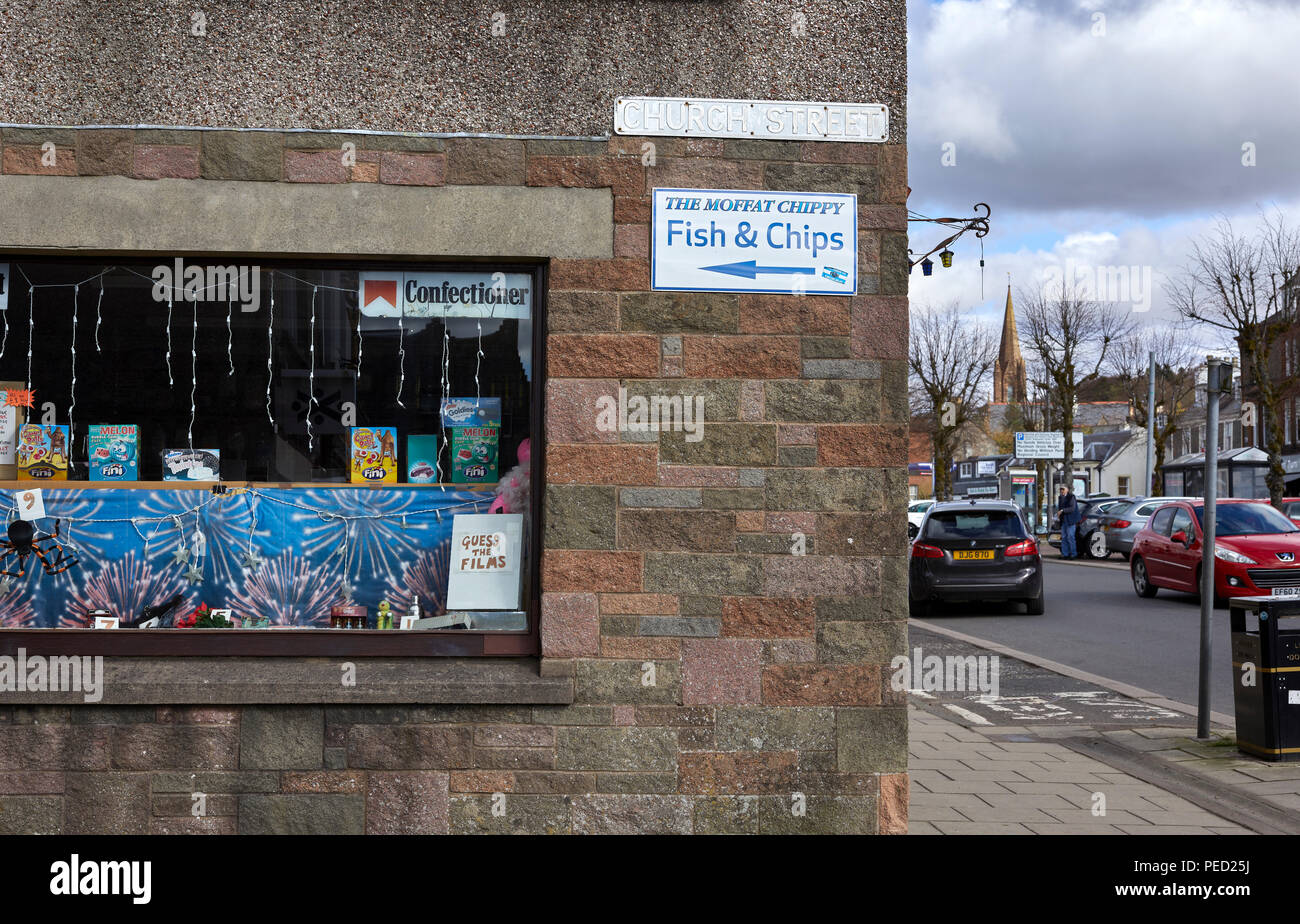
x,y
946,257
927,267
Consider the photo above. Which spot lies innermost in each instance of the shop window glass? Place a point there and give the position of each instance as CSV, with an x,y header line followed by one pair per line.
x,y
274,367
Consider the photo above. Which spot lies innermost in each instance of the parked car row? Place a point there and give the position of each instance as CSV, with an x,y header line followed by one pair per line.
x,y
983,550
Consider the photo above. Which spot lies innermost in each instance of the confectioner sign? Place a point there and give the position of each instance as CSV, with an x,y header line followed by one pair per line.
x,y
391,294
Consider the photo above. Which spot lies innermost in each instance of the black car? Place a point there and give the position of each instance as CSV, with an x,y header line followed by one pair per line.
x,y
974,550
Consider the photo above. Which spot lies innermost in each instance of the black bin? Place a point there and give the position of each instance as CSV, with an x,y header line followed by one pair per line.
x,y
1268,713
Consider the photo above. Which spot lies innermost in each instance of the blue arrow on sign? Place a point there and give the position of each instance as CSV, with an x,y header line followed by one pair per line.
x,y
750,268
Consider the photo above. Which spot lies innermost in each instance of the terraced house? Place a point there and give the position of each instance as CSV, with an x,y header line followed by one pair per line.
x,y
335,342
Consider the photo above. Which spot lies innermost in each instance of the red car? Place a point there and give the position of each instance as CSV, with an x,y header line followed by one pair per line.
x,y
1256,550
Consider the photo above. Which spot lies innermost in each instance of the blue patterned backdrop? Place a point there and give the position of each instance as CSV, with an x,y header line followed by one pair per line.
x,y
395,542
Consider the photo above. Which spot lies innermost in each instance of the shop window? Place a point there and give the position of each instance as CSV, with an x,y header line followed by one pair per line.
x,y
294,443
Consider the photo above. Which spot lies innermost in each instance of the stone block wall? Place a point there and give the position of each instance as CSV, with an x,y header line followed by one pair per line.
x,y
720,680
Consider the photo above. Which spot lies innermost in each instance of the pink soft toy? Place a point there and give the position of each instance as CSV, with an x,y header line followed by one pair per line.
x,y
513,488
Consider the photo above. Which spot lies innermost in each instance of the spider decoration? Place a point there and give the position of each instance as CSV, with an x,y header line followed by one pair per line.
x,y
23,541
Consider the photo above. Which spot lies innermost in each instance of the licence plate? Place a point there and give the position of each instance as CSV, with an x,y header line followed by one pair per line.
x,y
984,556
1286,591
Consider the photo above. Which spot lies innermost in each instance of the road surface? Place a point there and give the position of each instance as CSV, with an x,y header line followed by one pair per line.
x,y
1095,622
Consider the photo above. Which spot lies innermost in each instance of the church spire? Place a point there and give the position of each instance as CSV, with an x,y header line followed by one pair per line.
x,y
1009,378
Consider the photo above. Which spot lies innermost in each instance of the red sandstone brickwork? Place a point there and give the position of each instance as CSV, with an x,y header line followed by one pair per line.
x,y
726,608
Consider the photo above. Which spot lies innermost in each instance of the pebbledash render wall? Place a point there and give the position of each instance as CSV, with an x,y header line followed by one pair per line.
x,y
770,670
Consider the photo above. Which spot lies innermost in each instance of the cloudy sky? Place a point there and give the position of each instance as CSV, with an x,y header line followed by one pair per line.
x,y
1103,133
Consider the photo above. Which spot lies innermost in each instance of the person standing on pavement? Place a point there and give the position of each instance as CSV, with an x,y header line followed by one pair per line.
x,y
1067,514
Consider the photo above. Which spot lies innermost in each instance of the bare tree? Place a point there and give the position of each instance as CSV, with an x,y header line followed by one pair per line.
x,y
1175,362
1070,338
1238,284
949,360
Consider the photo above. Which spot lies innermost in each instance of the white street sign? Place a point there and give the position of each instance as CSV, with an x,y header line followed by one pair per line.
x,y
737,240
1048,445
759,119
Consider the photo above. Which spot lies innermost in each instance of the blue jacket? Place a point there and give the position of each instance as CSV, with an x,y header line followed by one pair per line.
x,y
1069,509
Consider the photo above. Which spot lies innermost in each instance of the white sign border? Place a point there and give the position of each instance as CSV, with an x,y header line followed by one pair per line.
x,y
787,290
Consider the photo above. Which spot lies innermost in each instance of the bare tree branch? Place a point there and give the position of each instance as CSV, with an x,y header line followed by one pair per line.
x,y
949,360
1245,284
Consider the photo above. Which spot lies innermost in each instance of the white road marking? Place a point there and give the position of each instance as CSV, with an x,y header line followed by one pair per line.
x,y
920,693
966,714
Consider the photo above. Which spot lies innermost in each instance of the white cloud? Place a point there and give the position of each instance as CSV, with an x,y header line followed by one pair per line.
x,y
1150,115
1107,152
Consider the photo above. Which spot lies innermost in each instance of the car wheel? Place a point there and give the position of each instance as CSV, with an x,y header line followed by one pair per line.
x,y
1096,545
1035,605
1141,580
918,609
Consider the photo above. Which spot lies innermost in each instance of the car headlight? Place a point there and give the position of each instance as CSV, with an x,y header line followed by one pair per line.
x,y
1226,554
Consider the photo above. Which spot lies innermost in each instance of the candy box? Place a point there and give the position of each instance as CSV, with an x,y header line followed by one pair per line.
x,y
471,412
474,454
42,453
113,451
374,455
422,458
191,465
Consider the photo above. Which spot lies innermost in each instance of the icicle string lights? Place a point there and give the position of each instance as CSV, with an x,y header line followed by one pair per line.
x,y
270,349
230,338
442,428
170,382
194,373
446,387
31,330
311,374
478,362
31,312
72,406
401,352
99,304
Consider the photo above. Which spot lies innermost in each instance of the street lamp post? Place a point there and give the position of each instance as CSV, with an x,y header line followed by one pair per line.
x,y
1214,370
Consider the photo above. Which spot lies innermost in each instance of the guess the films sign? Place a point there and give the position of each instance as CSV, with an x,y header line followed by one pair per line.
x,y
485,551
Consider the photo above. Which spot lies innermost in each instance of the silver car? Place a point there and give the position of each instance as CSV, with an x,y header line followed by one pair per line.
x,y
1120,525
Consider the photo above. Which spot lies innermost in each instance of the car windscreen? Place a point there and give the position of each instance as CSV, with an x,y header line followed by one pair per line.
x,y
1246,520
974,524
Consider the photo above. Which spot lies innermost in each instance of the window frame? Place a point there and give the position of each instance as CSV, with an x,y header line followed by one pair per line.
x,y
324,642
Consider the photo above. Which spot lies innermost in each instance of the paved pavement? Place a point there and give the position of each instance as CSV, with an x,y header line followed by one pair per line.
x,y
1057,750
1006,781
